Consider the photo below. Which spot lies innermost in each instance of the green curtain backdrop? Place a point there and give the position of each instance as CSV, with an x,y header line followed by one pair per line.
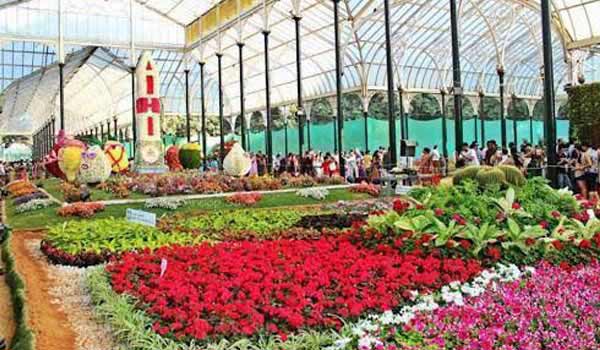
x,y
425,132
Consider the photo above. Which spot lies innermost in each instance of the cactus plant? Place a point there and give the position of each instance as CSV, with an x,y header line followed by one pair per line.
x,y
489,176
469,172
189,156
513,175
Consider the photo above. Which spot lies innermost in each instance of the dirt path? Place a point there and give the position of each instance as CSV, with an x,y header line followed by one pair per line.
x,y
49,324
7,323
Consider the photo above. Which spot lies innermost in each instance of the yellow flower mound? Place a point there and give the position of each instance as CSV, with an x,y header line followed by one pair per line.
x,y
69,161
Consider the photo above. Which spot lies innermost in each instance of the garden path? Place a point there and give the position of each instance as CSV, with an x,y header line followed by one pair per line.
x,y
48,323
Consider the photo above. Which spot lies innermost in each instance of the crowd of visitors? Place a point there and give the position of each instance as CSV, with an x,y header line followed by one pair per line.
x,y
359,165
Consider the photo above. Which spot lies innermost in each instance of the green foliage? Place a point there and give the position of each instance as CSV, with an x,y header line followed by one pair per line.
x,y
352,106
493,176
491,108
468,111
257,221
321,112
23,338
378,106
425,107
517,109
114,236
480,236
583,109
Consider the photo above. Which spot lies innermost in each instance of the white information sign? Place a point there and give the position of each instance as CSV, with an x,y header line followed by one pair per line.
x,y
141,217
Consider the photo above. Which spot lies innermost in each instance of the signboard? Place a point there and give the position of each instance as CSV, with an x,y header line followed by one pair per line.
x,y
141,217
402,190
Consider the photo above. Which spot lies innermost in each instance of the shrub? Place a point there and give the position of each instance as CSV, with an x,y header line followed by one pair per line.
x,y
81,209
363,187
247,199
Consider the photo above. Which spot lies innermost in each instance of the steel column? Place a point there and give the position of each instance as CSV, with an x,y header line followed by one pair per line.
x,y
108,129
116,127
390,87
133,119
221,116
443,92
203,117
53,131
242,97
188,116
531,129
482,117
338,83
61,67
269,133
300,108
549,116
402,116
502,114
366,116
457,89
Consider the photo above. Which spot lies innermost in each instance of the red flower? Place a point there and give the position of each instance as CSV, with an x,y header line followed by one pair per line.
x,y
585,244
516,206
459,219
245,288
438,212
419,207
544,224
493,253
557,244
400,206
555,214
530,241
465,244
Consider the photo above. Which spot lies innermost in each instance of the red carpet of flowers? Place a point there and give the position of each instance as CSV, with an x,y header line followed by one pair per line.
x,y
245,288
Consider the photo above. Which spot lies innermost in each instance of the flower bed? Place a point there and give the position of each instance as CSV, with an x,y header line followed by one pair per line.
x,y
29,197
32,205
554,308
192,182
274,287
370,189
81,209
86,243
247,199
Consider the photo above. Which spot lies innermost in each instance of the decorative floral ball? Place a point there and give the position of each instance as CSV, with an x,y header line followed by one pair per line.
x,y
95,166
189,156
117,156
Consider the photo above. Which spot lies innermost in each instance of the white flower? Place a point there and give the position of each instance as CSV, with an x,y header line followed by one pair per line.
x,y
313,192
32,205
164,203
367,342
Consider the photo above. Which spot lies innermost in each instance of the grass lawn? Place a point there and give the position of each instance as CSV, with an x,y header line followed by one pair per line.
x,y
44,217
52,186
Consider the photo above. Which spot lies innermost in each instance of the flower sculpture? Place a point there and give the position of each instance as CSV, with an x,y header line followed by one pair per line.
x,y
172,159
237,163
69,158
116,154
95,166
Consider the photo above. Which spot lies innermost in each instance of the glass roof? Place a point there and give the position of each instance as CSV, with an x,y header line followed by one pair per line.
x,y
493,33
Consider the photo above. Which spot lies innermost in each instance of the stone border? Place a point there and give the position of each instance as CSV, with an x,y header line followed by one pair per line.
x,y
216,195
